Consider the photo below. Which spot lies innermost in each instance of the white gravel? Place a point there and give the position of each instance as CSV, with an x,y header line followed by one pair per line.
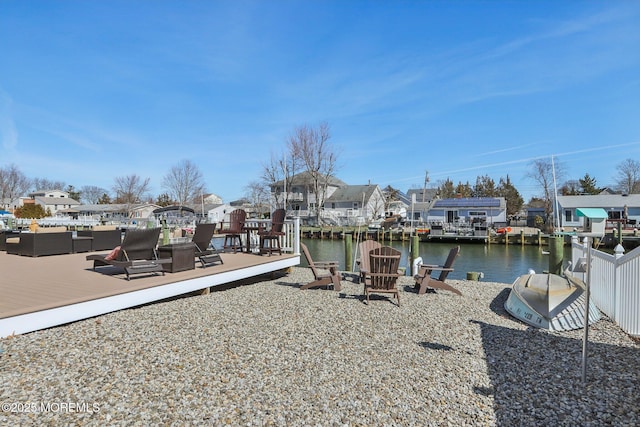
x,y
267,353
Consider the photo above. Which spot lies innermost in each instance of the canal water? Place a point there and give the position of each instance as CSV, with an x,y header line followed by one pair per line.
x,y
498,263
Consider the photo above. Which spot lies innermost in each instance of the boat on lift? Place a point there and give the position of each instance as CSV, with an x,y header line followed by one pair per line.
x,y
550,301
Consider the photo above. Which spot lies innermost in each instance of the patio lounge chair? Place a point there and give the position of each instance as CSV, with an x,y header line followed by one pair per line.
x,y
325,273
233,233
365,247
273,235
136,255
205,252
425,281
383,277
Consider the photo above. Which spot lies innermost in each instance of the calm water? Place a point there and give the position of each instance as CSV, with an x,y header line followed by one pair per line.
x,y
499,263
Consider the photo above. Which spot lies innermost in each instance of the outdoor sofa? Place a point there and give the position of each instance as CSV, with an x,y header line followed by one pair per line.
x,y
105,237
43,241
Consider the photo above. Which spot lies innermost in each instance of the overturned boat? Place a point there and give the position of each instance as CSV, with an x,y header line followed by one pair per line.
x,y
549,301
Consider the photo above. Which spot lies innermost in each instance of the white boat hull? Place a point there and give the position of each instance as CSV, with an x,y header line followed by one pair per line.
x,y
549,301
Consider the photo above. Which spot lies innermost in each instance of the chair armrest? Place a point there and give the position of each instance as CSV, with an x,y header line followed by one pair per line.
x,y
441,269
326,264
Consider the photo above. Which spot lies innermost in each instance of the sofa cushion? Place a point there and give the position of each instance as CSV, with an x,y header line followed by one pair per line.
x,y
103,227
42,230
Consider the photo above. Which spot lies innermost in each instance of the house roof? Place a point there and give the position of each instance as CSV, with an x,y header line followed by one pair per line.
x,y
57,201
352,193
470,202
306,178
599,201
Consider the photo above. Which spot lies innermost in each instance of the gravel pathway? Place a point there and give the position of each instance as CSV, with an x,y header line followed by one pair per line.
x,y
267,353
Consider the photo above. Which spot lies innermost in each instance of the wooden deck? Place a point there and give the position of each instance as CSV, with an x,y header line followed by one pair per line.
x,y
38,293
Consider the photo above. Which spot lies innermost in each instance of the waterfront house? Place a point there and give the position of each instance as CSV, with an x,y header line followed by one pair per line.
x,y
348,204
620,208
300,194
420,200
52,200
491,211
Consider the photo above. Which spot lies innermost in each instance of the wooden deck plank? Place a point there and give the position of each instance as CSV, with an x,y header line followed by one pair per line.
x,y
29,285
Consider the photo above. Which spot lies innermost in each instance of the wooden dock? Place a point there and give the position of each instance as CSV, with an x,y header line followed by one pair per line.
x,y
42,292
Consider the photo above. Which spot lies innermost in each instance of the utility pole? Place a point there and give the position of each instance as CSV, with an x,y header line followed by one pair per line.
x,y
424,189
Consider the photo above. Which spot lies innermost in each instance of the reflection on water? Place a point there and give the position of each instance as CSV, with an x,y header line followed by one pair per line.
x,y
499,263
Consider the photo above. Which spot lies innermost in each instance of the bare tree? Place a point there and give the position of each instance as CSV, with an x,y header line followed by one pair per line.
x,y
47,184
13,184
184,182
258,195
628,178
546,173
130,189
90,194
312,147
281,168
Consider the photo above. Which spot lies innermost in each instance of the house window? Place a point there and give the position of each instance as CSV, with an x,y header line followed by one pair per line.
x,y
355,205
614,215
568,215
333,205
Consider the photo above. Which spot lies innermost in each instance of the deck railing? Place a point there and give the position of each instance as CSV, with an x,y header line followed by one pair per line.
x,y
615,282
290,242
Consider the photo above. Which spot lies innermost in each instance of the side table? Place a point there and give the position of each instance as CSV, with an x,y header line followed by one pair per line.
x,y
82,244
183,256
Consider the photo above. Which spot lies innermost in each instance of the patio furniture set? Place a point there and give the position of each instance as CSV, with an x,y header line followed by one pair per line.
x,y
138,251
379,271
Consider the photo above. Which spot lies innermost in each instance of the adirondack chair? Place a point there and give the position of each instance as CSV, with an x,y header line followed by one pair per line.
x,y
325,273
233,233
424,280
382,278
365,247
273,235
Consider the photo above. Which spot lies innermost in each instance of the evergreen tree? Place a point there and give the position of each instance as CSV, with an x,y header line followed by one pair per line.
x,y
464,190
588,185
511,194
485,187
446,189
31,210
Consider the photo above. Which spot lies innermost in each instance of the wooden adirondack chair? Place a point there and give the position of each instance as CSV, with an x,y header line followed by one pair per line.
x,y
424,280
382,278
330,275
365,247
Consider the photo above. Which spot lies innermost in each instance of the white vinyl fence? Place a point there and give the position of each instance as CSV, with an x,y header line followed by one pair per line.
x,y
290,242
615,283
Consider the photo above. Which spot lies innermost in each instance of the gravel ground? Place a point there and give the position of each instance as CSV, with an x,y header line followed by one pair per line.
x,y
267,353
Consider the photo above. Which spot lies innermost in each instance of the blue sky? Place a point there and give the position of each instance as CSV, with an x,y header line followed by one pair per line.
x,y
94,90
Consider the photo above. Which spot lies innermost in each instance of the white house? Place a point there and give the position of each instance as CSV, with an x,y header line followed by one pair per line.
x,y
219,213
356,201
469,210
52,200
619,208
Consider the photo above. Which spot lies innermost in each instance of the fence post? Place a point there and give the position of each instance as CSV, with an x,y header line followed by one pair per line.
x,y
296,235
618,251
